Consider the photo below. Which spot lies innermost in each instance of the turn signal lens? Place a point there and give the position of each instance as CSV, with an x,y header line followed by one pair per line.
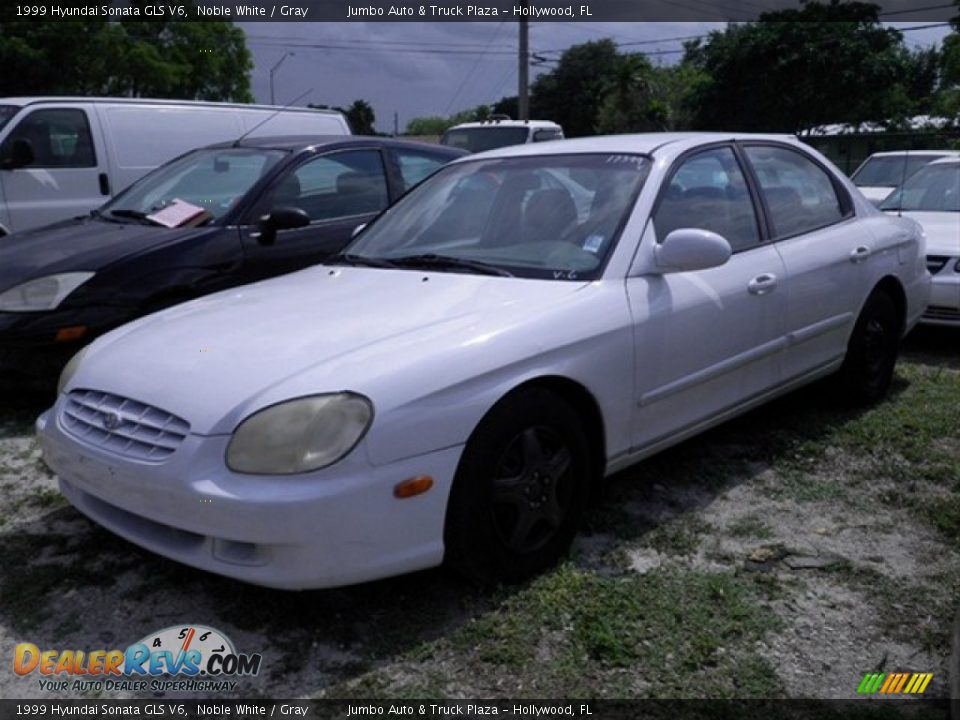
x,y
69,334
414,486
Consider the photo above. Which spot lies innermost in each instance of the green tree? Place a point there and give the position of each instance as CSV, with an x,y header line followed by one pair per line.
x,y
572,92
184,60
432,125
796,69
632,100
361,117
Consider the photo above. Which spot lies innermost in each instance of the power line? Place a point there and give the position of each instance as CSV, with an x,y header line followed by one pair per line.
x,y
474,68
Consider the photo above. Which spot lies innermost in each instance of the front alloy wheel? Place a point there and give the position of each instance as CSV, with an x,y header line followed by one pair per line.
x,y
520,488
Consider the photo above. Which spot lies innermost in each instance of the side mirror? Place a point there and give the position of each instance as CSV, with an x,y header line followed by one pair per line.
x,y
21,155
357,230
688,249
281,218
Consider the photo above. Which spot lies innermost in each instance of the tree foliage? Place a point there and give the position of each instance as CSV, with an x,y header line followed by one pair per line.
x,y
361,117
796,69
183,60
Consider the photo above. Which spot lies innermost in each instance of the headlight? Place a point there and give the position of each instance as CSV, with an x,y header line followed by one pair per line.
x,y
300,435
43,293
70,369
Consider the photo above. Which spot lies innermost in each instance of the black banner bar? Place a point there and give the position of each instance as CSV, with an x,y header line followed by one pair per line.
x,y
868,708
437,10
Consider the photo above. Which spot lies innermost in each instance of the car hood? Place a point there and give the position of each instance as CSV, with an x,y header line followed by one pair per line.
x,y
82,244
215,359
942,229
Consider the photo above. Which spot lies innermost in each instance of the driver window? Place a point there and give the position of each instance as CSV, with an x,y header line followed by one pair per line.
x,y
338,185
59,138
708,191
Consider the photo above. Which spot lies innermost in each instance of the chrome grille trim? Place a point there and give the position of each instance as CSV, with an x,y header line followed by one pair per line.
x,y
936,263
935,312
141,431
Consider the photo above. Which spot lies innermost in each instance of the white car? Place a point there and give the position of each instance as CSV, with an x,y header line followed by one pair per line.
x,y
883,172
932,198
453,385
500,131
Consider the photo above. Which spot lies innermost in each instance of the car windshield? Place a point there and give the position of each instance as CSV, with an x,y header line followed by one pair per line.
x,y
7,112
936,188
890,170
490,137
555,217
213,179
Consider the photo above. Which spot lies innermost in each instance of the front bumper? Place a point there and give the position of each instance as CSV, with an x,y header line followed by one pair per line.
x,y
944,306
338,526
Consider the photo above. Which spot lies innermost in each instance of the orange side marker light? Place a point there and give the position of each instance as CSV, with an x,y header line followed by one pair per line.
x,y
414,486
69,334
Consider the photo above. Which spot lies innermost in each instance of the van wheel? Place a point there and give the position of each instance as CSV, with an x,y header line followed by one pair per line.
x,y
872,351
520,489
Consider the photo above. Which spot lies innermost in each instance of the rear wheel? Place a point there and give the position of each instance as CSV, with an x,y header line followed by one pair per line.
x,y
872,351
520,489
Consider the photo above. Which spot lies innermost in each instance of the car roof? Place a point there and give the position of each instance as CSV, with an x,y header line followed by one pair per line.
x,y
303,142
643,144
901,153
950,160
42,99
507,123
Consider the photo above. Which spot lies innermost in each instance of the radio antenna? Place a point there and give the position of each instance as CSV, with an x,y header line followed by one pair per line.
x,y
271,117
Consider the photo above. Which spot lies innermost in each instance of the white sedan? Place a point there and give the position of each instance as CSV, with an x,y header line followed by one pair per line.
x,y
932,198
451,387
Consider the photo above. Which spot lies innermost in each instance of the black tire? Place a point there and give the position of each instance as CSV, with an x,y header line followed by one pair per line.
x,y
872,352
520,489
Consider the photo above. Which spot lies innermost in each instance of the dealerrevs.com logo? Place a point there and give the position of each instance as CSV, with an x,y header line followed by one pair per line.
x,y
191,658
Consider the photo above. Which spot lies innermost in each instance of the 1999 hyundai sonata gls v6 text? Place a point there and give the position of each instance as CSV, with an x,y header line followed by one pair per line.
x,y
519,325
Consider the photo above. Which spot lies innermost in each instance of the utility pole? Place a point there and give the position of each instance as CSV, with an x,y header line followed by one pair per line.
x,y
273,72
396,130
523,89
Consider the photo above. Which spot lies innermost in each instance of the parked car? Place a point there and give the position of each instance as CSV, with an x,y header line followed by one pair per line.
x,y
269,206
500,131
882,172
61,157
932,198
454,384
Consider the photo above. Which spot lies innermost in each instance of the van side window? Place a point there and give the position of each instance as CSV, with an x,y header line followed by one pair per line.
x,y
58,138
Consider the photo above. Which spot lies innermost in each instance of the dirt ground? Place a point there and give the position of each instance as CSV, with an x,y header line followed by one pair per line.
x,y
785,554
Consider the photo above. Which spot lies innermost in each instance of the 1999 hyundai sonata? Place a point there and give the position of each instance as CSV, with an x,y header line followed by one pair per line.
x,y
518,326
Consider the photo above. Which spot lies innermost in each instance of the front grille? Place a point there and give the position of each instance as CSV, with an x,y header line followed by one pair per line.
x,y
936,312
935,263
126,427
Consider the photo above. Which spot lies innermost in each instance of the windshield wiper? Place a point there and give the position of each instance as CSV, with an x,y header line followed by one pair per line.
x,y
362,260
133,215
431,260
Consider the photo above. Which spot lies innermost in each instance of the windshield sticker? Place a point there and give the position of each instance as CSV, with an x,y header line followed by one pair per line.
x,y
593,243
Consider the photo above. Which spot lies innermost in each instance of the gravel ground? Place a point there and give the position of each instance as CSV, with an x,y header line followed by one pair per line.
x,y
846,558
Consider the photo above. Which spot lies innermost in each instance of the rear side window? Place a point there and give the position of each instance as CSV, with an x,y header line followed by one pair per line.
x,y
58,138
708,191
415,166
800,195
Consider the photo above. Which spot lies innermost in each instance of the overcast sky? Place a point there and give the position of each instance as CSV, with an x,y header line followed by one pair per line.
x,y
416,69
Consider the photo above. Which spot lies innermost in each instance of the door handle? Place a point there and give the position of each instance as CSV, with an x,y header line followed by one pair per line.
x,y
762,284
859,254
104,184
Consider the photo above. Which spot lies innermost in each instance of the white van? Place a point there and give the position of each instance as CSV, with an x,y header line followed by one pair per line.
x,y
61,157
500,131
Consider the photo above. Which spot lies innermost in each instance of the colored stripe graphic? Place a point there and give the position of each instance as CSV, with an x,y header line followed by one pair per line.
x,y
894,683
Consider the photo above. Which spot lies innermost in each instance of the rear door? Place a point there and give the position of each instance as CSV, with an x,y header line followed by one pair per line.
x,y
64,179
827,254
338,190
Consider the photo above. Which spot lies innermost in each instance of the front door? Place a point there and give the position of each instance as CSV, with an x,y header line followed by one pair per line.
x,y
706,341
338,191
